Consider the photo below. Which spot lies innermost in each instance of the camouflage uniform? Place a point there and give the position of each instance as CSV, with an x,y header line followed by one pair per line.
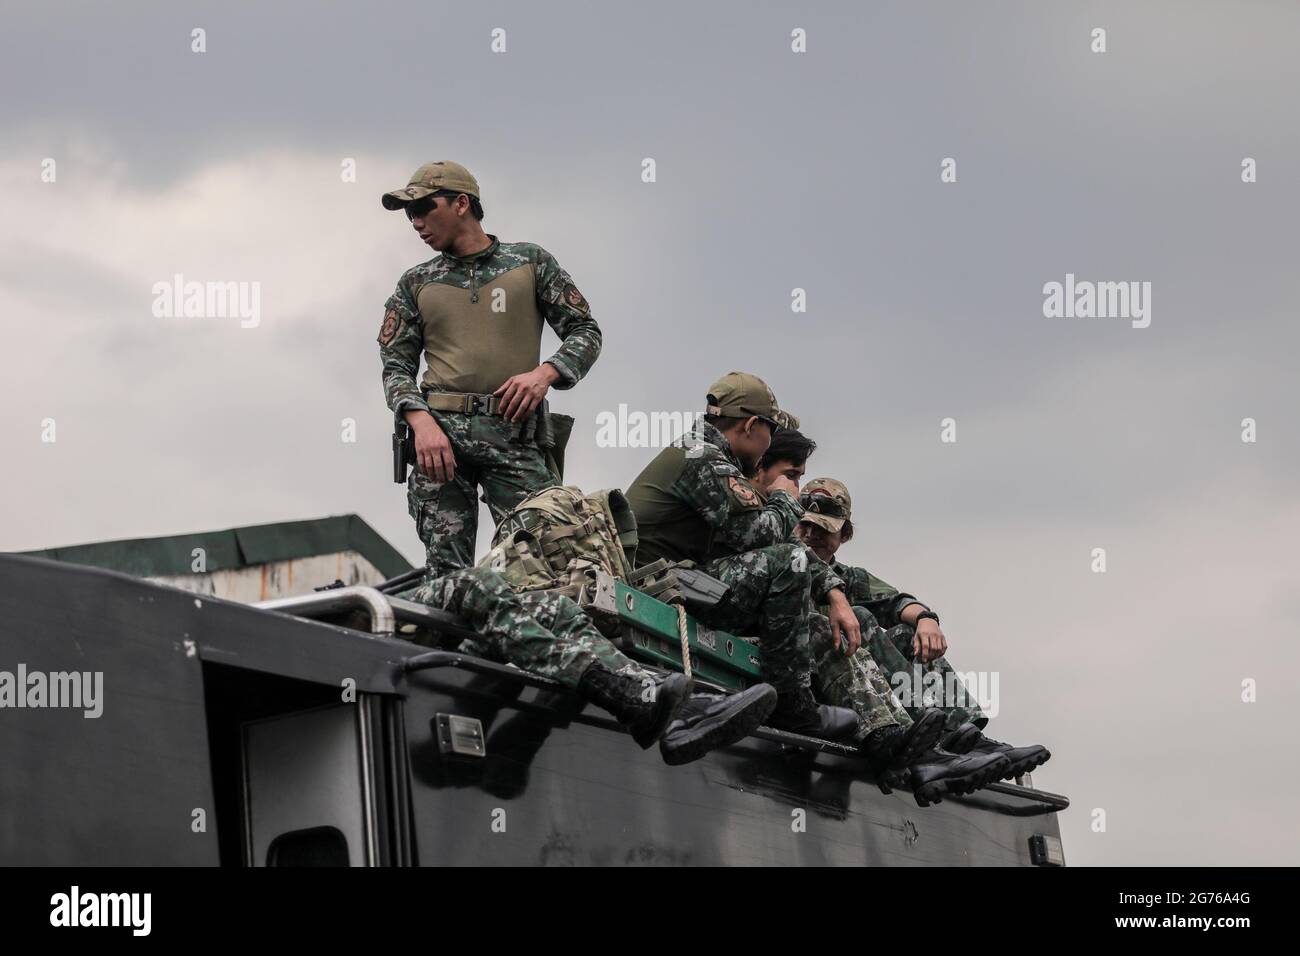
x,y
854,681
770,594
694,503
477,320
491,452
547,634
890,644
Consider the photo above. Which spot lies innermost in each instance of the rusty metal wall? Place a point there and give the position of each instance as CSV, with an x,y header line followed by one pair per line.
x,y
278,578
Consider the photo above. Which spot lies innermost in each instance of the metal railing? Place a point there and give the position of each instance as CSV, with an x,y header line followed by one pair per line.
x,y
338,600
385,611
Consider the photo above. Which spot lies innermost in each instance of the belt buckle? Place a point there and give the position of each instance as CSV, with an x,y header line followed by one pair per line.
x,y
472,404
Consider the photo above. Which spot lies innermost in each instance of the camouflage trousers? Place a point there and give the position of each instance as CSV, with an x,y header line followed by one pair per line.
x,y
855,681
491,453
769,595
547,634
917,685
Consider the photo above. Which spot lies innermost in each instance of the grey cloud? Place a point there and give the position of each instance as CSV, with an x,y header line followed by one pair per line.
x,y
775,171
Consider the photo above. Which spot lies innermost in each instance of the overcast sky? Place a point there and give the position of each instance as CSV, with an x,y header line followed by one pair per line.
x,y
775,171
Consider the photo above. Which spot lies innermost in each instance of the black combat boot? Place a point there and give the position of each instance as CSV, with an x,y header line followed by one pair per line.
x,y
937,774
961,740
645,710
1023,759
708,721
799,713
894,748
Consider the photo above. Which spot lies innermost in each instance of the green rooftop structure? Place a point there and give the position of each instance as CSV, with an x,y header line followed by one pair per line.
x,y
253,563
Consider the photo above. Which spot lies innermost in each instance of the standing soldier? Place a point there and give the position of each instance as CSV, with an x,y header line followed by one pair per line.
x,y
475,311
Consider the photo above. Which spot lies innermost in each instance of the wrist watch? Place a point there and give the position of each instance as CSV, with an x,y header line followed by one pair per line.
x,y
927,614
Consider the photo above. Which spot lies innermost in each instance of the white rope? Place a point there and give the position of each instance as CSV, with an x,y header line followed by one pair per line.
x,y
686,644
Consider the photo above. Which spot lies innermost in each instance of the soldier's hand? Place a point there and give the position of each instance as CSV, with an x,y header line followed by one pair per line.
x,y
845,629
433,453
928,643
782,483
522,393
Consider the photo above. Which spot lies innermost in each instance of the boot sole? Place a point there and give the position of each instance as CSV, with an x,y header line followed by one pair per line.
x,y
979,779
722,730
935,791
1030,763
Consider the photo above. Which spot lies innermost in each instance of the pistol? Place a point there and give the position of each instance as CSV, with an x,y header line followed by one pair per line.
x,y
403,450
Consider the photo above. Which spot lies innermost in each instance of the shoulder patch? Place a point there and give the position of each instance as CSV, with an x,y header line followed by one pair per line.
x,y
388,331
743,492
575,298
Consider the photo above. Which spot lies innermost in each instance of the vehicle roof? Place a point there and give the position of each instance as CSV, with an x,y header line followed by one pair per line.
x,y
234,548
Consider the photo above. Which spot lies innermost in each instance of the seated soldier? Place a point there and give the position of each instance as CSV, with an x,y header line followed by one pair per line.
x,y
902,634
550,635
693,502
891,738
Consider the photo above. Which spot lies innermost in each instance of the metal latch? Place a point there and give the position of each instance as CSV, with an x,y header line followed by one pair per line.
x,y
460,735
1045,850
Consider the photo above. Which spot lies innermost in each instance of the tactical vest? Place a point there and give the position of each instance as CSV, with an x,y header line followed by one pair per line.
x,y
667,527
559,537
470,348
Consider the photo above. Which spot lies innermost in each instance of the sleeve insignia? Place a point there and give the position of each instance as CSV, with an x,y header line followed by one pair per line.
x,y
575,298
388,331
743,492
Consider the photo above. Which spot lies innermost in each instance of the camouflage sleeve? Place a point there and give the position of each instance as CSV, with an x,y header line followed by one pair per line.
x,y
883,600
566,311
401,343
824,581
725,499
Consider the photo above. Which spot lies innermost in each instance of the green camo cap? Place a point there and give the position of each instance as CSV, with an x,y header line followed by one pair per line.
x,y
739,395
429,179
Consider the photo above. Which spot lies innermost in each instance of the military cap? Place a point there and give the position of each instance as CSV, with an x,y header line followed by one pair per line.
x,y
826,503
429,179
740,395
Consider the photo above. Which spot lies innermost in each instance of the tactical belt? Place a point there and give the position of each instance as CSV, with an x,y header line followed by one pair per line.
x,y
464,402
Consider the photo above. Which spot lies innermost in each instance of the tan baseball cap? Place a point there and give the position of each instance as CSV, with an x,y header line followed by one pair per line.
x,y
826,503
739,395
430,178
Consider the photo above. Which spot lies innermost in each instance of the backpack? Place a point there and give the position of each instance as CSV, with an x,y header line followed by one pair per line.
x,y
558,538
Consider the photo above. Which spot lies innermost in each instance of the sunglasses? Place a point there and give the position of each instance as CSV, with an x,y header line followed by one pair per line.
x,y
822,505
421,207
